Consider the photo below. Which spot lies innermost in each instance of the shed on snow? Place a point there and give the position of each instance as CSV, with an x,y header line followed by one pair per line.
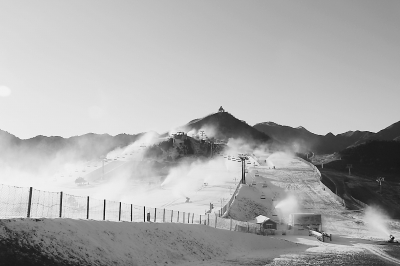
x,y
266,222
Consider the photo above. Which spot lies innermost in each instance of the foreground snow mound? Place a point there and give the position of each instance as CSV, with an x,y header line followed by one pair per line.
x,y
87,242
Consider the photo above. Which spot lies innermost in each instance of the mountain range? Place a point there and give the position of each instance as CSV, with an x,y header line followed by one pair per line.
x,y
34,152
324,144
221,125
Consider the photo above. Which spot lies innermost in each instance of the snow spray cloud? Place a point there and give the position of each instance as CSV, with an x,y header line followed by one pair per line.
x,y
190,176
279,159
52,163
288,205
139,146
376,222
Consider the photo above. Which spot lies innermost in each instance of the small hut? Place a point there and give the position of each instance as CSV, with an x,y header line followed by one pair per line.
x,y
221,110
266,222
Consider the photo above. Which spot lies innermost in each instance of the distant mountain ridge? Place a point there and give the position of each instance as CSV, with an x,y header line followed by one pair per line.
x,y
308,141
220,125
35,151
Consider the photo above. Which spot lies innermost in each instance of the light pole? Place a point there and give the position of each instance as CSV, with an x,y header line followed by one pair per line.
x,y
380,180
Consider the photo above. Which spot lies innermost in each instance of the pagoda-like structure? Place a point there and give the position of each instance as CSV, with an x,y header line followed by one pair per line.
x,y
221,110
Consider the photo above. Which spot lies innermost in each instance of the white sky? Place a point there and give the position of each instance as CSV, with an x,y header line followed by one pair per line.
x,y
73,67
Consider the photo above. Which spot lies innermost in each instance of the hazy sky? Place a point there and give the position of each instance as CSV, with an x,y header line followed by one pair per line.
x,y
73,67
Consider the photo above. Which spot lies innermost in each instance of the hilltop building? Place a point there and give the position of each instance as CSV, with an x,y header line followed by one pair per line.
x,y
179,135
221,110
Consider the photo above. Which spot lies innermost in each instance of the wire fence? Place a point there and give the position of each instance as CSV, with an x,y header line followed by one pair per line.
x,y
225,210
22,202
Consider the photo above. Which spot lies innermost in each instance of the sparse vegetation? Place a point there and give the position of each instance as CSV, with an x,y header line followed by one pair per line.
x,y
371,159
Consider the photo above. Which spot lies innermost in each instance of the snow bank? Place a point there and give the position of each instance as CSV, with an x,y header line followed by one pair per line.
x,y
88,242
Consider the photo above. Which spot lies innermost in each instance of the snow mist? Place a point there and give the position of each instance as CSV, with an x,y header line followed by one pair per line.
x,y
288,205
376,222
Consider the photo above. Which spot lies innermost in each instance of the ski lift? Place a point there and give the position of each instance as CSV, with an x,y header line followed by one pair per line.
x,y
254,183
264,185
262,196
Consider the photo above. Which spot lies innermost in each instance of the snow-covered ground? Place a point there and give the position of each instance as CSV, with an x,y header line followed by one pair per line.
x,y
280,185
85,242
203,182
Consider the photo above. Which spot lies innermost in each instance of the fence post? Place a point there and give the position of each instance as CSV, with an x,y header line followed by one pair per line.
x,y
177,220
144,213
216,217
155,214
163,216
248,227
119,216
87,208
29,202
104,211
61,198
131,212
172,215
192,217
230,225
208,219
200,220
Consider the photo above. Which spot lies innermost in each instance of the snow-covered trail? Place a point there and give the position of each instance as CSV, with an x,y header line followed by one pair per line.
x,y
295,177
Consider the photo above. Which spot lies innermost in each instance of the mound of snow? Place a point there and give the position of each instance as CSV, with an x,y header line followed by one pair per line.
x,y
86,242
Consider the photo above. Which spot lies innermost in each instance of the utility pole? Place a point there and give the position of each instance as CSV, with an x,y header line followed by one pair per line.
x,y
202,134
349,166
380,180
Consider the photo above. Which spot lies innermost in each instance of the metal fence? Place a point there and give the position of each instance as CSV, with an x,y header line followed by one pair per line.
x,y
225,210
21,202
